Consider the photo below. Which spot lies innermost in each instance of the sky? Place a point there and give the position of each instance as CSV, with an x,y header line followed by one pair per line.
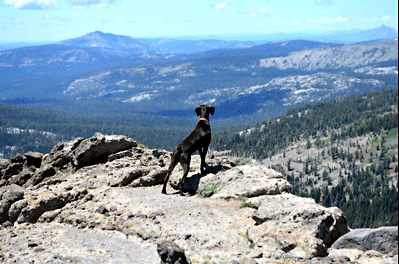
x,y
55,20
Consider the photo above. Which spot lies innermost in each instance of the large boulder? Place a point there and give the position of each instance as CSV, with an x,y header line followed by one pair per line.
x,y
82,152
36,206
8,196
296,225
97,149
61,155
383,239
231,181
11,168
33,159
41,174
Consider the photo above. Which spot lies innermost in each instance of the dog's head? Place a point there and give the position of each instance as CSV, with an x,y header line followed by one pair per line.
x,y
204,110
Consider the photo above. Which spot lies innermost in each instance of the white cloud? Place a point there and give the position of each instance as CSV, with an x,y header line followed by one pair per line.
x,y
328,20
220,5
93,4
262,10
379,19
32,4
386,18
323,2
252,15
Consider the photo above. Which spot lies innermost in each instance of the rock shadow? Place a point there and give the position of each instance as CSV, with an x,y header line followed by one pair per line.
x,y
192,183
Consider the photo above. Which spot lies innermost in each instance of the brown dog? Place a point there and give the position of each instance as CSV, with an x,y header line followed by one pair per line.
x,y
199,140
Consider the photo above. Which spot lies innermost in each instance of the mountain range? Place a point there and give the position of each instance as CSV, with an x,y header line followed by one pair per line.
x,y
194,44
342,37
245,81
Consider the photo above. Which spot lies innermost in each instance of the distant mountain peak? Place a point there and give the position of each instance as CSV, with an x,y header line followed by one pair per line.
x,y
117,44
386,27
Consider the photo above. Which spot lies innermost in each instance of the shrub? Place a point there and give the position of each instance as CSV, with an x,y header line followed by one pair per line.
x,y
207,191
251,205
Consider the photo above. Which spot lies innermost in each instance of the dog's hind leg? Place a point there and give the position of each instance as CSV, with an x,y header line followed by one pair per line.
x,y
185,159
203,152
175,159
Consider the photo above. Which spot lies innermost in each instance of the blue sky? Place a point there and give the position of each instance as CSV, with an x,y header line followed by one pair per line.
x,y
54,20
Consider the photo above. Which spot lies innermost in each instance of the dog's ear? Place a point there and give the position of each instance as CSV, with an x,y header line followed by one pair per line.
x,y
198,110
211,110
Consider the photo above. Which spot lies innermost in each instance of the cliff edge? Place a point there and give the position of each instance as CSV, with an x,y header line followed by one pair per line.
x,y
99,200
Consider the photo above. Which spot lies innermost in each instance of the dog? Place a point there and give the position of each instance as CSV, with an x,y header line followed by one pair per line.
x,y
199,139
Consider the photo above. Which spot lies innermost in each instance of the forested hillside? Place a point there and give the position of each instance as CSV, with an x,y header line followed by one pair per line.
x,y
342,153
24,129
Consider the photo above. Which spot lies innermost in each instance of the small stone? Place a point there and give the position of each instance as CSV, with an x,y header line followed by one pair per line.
x,y
141,216
7,224
89,197
171,253
113,208
39,249
32,244
102,209
154,215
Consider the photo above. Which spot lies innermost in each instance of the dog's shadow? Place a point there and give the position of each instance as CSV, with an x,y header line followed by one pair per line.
x,y
192,183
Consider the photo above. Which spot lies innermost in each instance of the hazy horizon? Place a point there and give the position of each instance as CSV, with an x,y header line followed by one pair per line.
x,y
55,20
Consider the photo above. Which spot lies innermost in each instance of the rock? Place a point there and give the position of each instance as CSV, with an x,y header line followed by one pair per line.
x,y
296,225
3,164
149,169
126,176
383,239
18,158
48,202
102,209
11,170
97,149
15,209
7,198
61,155
233,182
171,253
119,155
21,178
251,181
155,176
7,224
11,187
41,174
33,159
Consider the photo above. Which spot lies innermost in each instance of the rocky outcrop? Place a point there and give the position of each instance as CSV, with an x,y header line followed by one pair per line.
x,y
296,225
32,168
368,246
383,240
105,192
